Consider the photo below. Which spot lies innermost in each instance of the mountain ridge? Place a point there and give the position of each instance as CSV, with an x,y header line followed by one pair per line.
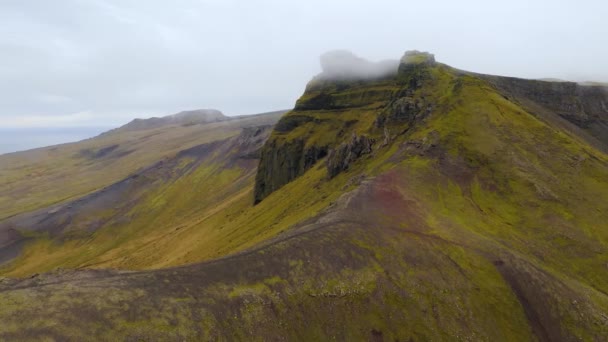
x,y
433,204
187,117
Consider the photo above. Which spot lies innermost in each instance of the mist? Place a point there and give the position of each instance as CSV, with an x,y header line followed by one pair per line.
x,y
21,139
344,65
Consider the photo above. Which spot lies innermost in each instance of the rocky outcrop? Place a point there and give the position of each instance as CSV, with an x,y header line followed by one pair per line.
x,y
406,107
415,57
340,158
290,122
282,162
401,114
414,68
404,110
320,101
347,83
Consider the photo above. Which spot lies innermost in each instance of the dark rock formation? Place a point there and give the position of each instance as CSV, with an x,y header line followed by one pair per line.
x,y
340,158
347,82
407,109
404,110
317,102
581,109
280,163
289,122
414,68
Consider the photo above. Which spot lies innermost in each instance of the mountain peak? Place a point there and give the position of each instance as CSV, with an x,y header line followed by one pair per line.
x,y
199,115
344,66
418,57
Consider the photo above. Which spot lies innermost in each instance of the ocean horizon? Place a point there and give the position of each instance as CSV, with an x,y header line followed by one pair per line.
x,y
22,139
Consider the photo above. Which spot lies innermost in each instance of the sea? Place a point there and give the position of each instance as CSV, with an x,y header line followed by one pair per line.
x,y
21,139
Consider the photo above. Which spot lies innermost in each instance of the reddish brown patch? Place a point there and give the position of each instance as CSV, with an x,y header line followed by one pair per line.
x,y
387,200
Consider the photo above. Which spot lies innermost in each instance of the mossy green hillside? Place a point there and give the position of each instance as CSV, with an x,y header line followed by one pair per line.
x,y
471,219
29,180
203,211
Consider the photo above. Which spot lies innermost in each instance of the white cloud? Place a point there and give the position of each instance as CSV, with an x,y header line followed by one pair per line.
x,y
133,58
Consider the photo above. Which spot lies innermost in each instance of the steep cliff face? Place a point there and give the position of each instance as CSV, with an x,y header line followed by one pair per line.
x,y
340,158
336,105
582,109
283,162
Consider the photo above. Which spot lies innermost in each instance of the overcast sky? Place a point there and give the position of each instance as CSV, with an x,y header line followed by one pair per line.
x,y
103,62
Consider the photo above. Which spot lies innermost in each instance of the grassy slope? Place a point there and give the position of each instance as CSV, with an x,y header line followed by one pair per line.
x,y
481,222
174,225
511,187
157,221
537,189
28,180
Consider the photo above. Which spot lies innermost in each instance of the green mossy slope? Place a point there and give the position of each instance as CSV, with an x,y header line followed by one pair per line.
x,y
456,213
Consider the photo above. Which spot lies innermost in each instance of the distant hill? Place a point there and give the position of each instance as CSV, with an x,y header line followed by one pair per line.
x,y
600,84
92,164
185,118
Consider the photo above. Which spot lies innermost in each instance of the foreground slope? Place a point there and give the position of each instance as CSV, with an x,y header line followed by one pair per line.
x,y
427,204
